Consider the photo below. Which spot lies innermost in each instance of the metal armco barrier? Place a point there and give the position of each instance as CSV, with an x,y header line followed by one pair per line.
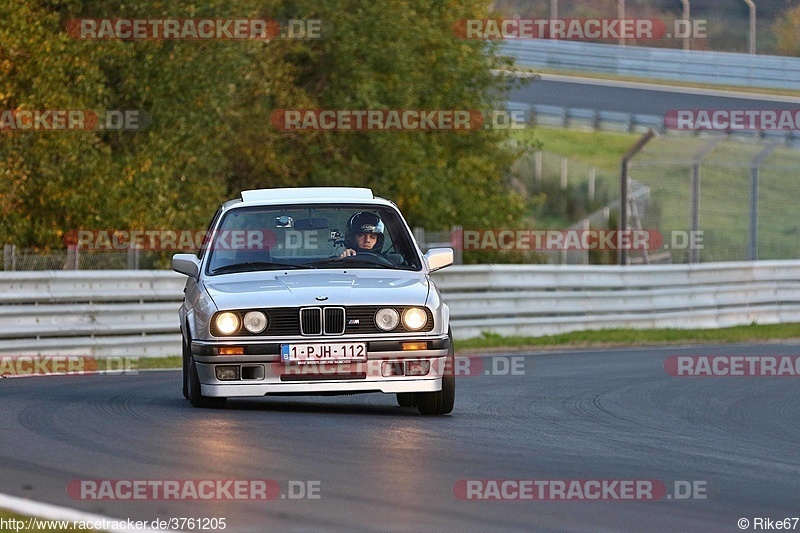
x,y
134,313
723,68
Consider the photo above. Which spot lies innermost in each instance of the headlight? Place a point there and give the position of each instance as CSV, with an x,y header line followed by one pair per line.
x,y
255,321
227,323
414,318
387,319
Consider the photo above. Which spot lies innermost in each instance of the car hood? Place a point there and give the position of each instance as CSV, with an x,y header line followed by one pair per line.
x,y
293,289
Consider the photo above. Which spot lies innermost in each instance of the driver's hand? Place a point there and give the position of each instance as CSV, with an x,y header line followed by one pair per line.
x,y
347,253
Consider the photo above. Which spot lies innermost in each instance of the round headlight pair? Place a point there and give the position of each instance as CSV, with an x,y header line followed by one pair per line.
x,y
228,323
413,319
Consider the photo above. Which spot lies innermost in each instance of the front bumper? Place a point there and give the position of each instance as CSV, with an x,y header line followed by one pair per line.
x,y
261,371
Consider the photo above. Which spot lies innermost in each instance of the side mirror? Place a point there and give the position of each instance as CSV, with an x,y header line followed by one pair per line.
x,y
187,264
439,258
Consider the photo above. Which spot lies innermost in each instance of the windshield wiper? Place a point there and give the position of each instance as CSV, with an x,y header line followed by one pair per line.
x,y
350,260
255,265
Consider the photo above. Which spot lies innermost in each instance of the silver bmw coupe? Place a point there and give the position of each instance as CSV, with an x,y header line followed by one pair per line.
x,y
318,290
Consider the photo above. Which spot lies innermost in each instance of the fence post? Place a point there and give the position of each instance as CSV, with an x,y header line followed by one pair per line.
x,y
623,188
458,252
72,257
537,165
587,225
758,160
592,178
419,236
9,261
133,257
564,172
694,254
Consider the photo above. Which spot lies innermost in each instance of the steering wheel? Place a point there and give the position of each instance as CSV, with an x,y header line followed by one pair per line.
x,y
378,259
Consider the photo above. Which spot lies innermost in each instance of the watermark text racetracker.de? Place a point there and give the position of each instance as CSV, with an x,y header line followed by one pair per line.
x,y
733,119
579,239
175,240
194,29
320,364
40,120
732,366
288,120
579,29
579,489
193,489
72,365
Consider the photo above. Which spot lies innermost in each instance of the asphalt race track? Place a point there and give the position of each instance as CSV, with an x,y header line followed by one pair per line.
x,y
646,99
592,415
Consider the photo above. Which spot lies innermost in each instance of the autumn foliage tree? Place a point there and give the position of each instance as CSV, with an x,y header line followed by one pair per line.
x,y
211,103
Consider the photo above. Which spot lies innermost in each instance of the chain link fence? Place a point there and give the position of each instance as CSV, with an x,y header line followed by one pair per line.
x,y
710,197
737,199
15,259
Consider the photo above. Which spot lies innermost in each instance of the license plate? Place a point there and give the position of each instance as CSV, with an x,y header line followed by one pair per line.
x,y
329,352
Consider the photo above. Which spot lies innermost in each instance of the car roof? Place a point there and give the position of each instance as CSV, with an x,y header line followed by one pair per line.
x,y
305,194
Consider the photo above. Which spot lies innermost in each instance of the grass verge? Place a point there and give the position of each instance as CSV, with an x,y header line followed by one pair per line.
x,y
638,337
603,149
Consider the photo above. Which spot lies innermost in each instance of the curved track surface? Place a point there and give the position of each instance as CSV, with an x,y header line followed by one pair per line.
x,y
604,414
646,99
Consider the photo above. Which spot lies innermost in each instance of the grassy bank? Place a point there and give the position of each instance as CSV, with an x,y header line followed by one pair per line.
x,y
638,337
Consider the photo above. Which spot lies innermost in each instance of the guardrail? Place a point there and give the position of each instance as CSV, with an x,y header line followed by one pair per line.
x,y
598,120
102,313
719,68
134,313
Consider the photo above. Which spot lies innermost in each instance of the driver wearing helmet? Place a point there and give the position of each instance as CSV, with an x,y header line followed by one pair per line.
x,y
364,234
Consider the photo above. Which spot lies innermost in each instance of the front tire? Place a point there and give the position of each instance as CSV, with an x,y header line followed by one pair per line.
x,y
406,399
185,356
441,402
193,392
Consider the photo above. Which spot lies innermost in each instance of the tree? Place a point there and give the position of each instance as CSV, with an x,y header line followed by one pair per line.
x,y
787,33
211,104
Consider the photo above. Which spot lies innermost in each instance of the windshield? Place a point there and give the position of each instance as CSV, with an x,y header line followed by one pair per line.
x,y
308,237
